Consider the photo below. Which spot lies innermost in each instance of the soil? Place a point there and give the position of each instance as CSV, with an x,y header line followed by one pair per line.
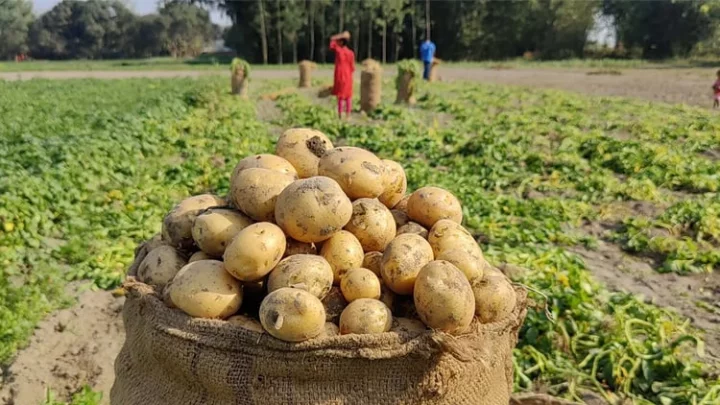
x,y
70,349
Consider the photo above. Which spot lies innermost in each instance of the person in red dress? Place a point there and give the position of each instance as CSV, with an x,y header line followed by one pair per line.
x,y
344,69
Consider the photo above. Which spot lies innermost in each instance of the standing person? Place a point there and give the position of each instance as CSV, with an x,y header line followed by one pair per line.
x,y
344,69
427,53
716,90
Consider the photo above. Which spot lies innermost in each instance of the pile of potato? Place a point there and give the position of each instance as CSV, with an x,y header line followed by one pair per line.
x,y
320,241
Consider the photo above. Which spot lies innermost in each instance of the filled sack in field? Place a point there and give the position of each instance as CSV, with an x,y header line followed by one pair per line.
x,y
170,358
239,72
306,67
435,70
405,83
370,85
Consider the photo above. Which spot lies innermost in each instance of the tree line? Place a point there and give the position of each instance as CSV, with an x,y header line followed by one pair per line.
x,y
282,31
101,29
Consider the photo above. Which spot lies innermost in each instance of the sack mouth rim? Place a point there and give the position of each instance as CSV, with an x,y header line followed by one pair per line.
x,y
222,335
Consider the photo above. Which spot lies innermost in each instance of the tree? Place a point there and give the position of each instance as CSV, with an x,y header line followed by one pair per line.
x,y
15,19
293,17
188,29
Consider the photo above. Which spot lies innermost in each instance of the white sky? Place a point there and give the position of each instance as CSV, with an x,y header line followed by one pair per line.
x,y
138,6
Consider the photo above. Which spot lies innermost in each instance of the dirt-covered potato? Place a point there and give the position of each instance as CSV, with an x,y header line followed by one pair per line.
x,y
443,297
402,204
255,192
428,205
372,224
466,262
312,210
177,225
359,172
160,266
299,248
395,184
449,235
203,289
142,250
200,255
402,261
401,218
408,326
264,161
365,316
308,272
360,283
255,251
334,304
246,322
344,252
215,228
413,227
303,148
495,297
292,315
373,262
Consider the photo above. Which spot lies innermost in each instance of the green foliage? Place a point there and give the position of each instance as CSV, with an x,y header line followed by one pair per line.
x,y
240,64
15,19
407,66
86,396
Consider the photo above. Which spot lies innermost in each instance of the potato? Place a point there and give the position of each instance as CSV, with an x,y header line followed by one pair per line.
x,y
365,316
360,173
428,205
407,326
264,161
373,262
160,266
449,235
443,297
330,330
402,261
372,224
360,283
294,247
303,148
200,255
255,192
142,250
402,204
344,252
495,297
400,217
413,227
203,289
334,304
215,228
468,263
246,322
177,225
396,184
292,315
308,272
312,210
255,251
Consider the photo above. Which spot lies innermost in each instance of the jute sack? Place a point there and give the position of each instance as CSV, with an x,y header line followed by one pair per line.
x,y
434,70
370,85
306,67
171,358
406,89
238,83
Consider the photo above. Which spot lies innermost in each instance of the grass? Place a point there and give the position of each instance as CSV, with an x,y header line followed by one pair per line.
x,y
88,169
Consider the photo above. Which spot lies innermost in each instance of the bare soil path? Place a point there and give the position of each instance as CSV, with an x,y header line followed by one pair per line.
x,y
675,86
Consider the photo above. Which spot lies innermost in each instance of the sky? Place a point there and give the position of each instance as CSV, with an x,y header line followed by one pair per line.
x,y
138,6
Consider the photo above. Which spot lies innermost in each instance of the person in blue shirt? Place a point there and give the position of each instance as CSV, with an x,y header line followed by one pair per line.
x,y
427,53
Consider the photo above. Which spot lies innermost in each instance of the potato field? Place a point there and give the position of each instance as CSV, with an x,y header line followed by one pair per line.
x,y
606,208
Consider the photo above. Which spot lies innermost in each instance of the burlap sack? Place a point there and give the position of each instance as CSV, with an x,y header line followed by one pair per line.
x,y
434,70
306,67
370,85
238,83
171,359
406,89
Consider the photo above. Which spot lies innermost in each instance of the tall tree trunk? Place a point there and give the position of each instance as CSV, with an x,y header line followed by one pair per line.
x,y
356,39
397,46
427,19
311,24
341,17
323,34
384,43
413,33
263,33
370,28
295,51
278,29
